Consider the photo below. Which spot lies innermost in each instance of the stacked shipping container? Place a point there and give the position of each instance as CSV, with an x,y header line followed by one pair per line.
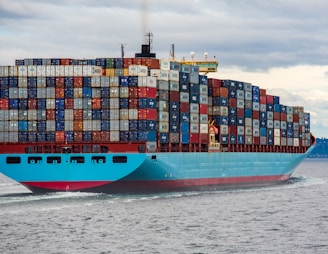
x,y
129,100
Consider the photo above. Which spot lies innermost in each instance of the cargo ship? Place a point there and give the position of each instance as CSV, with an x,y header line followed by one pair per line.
x,y
136,125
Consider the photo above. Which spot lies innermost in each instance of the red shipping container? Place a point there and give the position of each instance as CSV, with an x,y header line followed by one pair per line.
x,y
77,82
276,116
263,99
105,136
296,118
96,136
69,103
262,92
283,116
203,138
32,103
224,92
147,92
59,92
194,138
184,107
65,61
78,114
203,108
133,103
233,129
215,83
269,99
240,112
50,114
256,114
233,102
256,140
147,114
127,62
4,104
78,137
78,125
216,92
133,92
96,103
60,136
174,96
60,82
154,63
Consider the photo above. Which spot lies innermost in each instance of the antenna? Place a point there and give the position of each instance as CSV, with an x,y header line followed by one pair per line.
x,y
149,40
172,52
122,49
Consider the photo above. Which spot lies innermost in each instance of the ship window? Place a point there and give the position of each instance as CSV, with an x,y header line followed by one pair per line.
x,y
77,159
34,159
98,159
120,159
47,149
29,149
85,149
104,149
54,159
76,149
96,149
13,160
38,149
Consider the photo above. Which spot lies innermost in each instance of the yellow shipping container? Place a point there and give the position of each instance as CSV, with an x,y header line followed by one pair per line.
x,y
110,72
126,71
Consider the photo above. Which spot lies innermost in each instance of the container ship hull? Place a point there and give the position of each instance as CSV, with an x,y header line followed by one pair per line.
x,y
155,172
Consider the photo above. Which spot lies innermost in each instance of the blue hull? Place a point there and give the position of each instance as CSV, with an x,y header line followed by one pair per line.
x,y
140,172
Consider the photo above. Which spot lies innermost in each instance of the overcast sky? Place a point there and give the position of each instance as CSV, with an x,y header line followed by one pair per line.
x,y
280,45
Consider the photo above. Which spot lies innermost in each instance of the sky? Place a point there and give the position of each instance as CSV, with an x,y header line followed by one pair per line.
x,y
279,45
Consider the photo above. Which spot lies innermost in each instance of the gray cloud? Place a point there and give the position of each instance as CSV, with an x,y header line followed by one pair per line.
x,y
253,35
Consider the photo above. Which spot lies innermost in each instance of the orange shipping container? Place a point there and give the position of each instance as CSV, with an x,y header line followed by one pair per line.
x,y
60,92
65,61
78,125
32,104
69,103
51,114
105,136
78,136
127,62
60,136
60,82
224,92
77,82
78,114
96,103
96,136
262,92
4,104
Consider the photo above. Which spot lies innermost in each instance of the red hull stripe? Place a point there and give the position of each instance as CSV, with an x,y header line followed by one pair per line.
x,y
66,186
156,184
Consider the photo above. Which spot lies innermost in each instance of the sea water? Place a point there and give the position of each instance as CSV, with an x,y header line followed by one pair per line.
x,y
289,218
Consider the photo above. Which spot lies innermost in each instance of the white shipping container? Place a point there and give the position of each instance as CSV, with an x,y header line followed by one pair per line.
x,y
51,92
174,86
41,114
124,114
87,114
248,131
13,126
13,137
114,114
224,129
22,93
256,132
59,70
22,114
12,71
163,126
77,70
151,82
270,124
240,103
69,125
203,99
203,118
115,125
78,103
164,64
50,104
163,116
184,97
163,85
163,105
22,70
256,123
114,92
194,128
41,82
13,114
276,132
248,122
4,125
87,125
276,124
78,92
4,137
69,70
31,114
203,90
133,70
114,103
114,136
104,81
194,118
124,125
22,82
290,118
174,75
124,92
223,110
41,70
69,114
114,81
296,142
96,125
32,126
142,70
31,70
51,70
194,108
163,75
95,81
133,114
3,71
51,125
154,73
240,130
4,115
276,141
13,92
142,81
203,128
96,92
